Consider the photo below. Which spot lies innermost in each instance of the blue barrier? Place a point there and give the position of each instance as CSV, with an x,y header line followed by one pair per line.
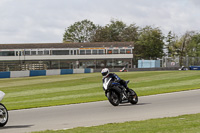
x,y
37,73
194,67
66,71
87,70
4,74
14,74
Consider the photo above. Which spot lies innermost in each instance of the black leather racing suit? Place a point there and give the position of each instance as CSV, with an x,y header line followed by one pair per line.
x,y
117,79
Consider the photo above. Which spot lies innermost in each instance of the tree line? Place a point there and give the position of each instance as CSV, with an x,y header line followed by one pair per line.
x,y
149,41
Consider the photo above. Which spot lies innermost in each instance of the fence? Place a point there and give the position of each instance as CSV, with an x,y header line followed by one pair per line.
x,y
191,61
178,62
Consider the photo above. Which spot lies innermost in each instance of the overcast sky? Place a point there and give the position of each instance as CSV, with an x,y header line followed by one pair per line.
x,y
44,21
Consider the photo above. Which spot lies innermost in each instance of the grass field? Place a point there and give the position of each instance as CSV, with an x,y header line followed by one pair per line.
x,y
180,124
43,91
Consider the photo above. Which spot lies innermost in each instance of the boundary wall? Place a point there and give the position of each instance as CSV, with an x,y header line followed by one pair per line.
x,y
16,74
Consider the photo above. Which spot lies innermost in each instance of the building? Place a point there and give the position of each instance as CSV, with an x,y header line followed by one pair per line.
x,y
15,57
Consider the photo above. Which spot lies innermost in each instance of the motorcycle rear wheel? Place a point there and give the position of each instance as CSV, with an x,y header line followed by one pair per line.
x,y
113,98
3,115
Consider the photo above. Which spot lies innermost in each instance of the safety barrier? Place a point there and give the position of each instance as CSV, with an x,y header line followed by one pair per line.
x,y
194,67
15,74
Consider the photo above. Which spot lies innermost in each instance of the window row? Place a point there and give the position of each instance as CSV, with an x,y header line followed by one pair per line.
x,y
66,52
119,51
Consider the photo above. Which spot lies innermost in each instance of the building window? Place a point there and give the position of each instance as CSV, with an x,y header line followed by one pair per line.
x,y
7,53
88,52
101,52
27,52
94,52
128,51
122,51
82,52
33,52
40,52
60,52
46,52
109,51
115,51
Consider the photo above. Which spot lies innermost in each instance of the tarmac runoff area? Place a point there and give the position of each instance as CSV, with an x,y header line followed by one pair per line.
x,y
98,113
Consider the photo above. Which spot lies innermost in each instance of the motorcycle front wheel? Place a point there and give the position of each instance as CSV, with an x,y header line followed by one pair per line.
x,y
133,97
3,115
113,98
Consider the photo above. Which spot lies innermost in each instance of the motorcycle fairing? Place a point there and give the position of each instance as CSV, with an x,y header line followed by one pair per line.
x,y
2,94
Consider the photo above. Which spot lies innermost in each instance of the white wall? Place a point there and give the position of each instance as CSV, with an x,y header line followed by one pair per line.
x,y
78,70
53,72
15,74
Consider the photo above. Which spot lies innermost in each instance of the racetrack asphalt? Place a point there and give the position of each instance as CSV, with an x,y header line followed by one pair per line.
x,y
98,113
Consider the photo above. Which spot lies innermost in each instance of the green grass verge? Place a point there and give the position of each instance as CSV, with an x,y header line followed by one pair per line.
x,y
31,92
180,124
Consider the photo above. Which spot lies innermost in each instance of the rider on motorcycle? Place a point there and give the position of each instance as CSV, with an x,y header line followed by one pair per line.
x,y
105,73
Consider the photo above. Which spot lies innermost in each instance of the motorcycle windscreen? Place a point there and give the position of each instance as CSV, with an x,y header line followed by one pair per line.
x,y
2,94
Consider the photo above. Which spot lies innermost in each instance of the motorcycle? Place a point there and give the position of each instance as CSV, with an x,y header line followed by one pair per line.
x,y
123,70
3,111
117,93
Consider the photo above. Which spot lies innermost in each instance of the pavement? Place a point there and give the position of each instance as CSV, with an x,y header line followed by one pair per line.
x,y
98,113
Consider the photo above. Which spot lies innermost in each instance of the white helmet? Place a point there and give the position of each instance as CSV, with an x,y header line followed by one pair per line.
x,y
105,72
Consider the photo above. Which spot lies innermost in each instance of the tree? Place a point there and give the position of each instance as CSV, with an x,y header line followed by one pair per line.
x,y
81,31
186,45
171,45
151,43
130,33
102,34
116,31
194,47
